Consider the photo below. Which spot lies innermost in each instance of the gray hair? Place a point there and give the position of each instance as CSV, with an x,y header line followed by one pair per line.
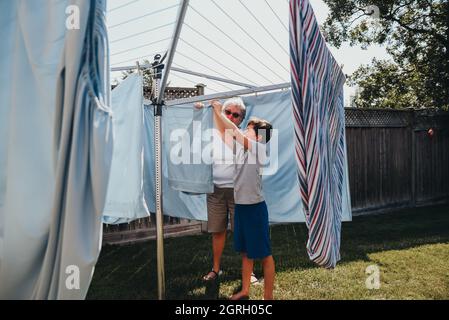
x,y
238,102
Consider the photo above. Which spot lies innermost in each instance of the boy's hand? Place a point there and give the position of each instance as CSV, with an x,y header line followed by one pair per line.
x,y
198,105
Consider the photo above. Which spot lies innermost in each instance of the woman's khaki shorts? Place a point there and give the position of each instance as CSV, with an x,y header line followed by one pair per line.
x,y
220,206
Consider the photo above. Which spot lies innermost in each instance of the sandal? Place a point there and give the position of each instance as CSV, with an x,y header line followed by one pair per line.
x,y
237,296
254,279
212,275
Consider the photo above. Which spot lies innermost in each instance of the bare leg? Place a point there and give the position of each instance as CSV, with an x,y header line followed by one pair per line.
x,y
268,274
218,243
247,269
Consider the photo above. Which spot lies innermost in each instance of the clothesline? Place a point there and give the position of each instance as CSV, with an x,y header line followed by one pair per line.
x,y
226,94
194,73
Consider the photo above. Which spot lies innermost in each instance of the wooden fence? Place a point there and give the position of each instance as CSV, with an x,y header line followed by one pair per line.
x,y
393,159
393,162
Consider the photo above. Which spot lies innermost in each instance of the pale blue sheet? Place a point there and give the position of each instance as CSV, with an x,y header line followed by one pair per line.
x,y
175,203
189,171
125,201
55,147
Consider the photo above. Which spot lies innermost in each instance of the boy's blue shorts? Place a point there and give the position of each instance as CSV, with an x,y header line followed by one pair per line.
x,y
251,230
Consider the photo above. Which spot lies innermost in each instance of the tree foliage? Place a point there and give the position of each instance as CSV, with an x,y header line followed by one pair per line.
x,y
415,34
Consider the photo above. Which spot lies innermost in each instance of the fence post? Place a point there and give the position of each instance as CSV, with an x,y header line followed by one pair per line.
x,y
200,89
413,155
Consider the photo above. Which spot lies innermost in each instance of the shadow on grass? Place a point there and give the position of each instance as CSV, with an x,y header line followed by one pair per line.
x,y
129,272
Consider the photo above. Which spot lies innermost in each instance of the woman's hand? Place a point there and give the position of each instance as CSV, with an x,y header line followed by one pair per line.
x,y
216,105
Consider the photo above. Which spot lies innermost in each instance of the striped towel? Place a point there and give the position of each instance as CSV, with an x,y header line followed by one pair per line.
x,y
317,100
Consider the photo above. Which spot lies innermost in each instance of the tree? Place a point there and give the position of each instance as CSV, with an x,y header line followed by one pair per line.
x,y
416,35
385,85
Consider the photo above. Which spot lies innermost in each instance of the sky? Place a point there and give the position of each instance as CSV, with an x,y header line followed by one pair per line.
x,y
242,40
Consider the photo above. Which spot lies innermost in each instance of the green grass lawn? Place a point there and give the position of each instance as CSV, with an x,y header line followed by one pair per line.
x,y
410,247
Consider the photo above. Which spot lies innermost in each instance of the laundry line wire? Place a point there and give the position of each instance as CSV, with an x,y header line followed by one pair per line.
x,y
143,16
241,46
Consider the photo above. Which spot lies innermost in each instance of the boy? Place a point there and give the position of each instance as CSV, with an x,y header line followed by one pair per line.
x,y
220,203
251,229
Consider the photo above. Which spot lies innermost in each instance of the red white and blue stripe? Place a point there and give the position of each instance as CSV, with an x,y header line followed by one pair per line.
x,y
318,109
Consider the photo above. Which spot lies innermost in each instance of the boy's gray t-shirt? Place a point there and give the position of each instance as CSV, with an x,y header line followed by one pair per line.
x,y
247,175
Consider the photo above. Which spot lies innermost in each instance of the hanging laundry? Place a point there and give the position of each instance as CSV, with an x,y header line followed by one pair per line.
x,y
187,132
318,110
55,154
175,203
280,182
125,200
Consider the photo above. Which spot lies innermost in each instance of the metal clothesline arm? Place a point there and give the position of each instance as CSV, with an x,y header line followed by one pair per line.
x,y
171,53
225,95
194,73
203,75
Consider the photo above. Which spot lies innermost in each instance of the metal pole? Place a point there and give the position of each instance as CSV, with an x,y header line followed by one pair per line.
x,y
194,73
159,86
171,53
203,75
226,94
158,189
131,67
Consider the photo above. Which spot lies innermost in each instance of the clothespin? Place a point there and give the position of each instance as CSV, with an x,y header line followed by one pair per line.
x,y
139,72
